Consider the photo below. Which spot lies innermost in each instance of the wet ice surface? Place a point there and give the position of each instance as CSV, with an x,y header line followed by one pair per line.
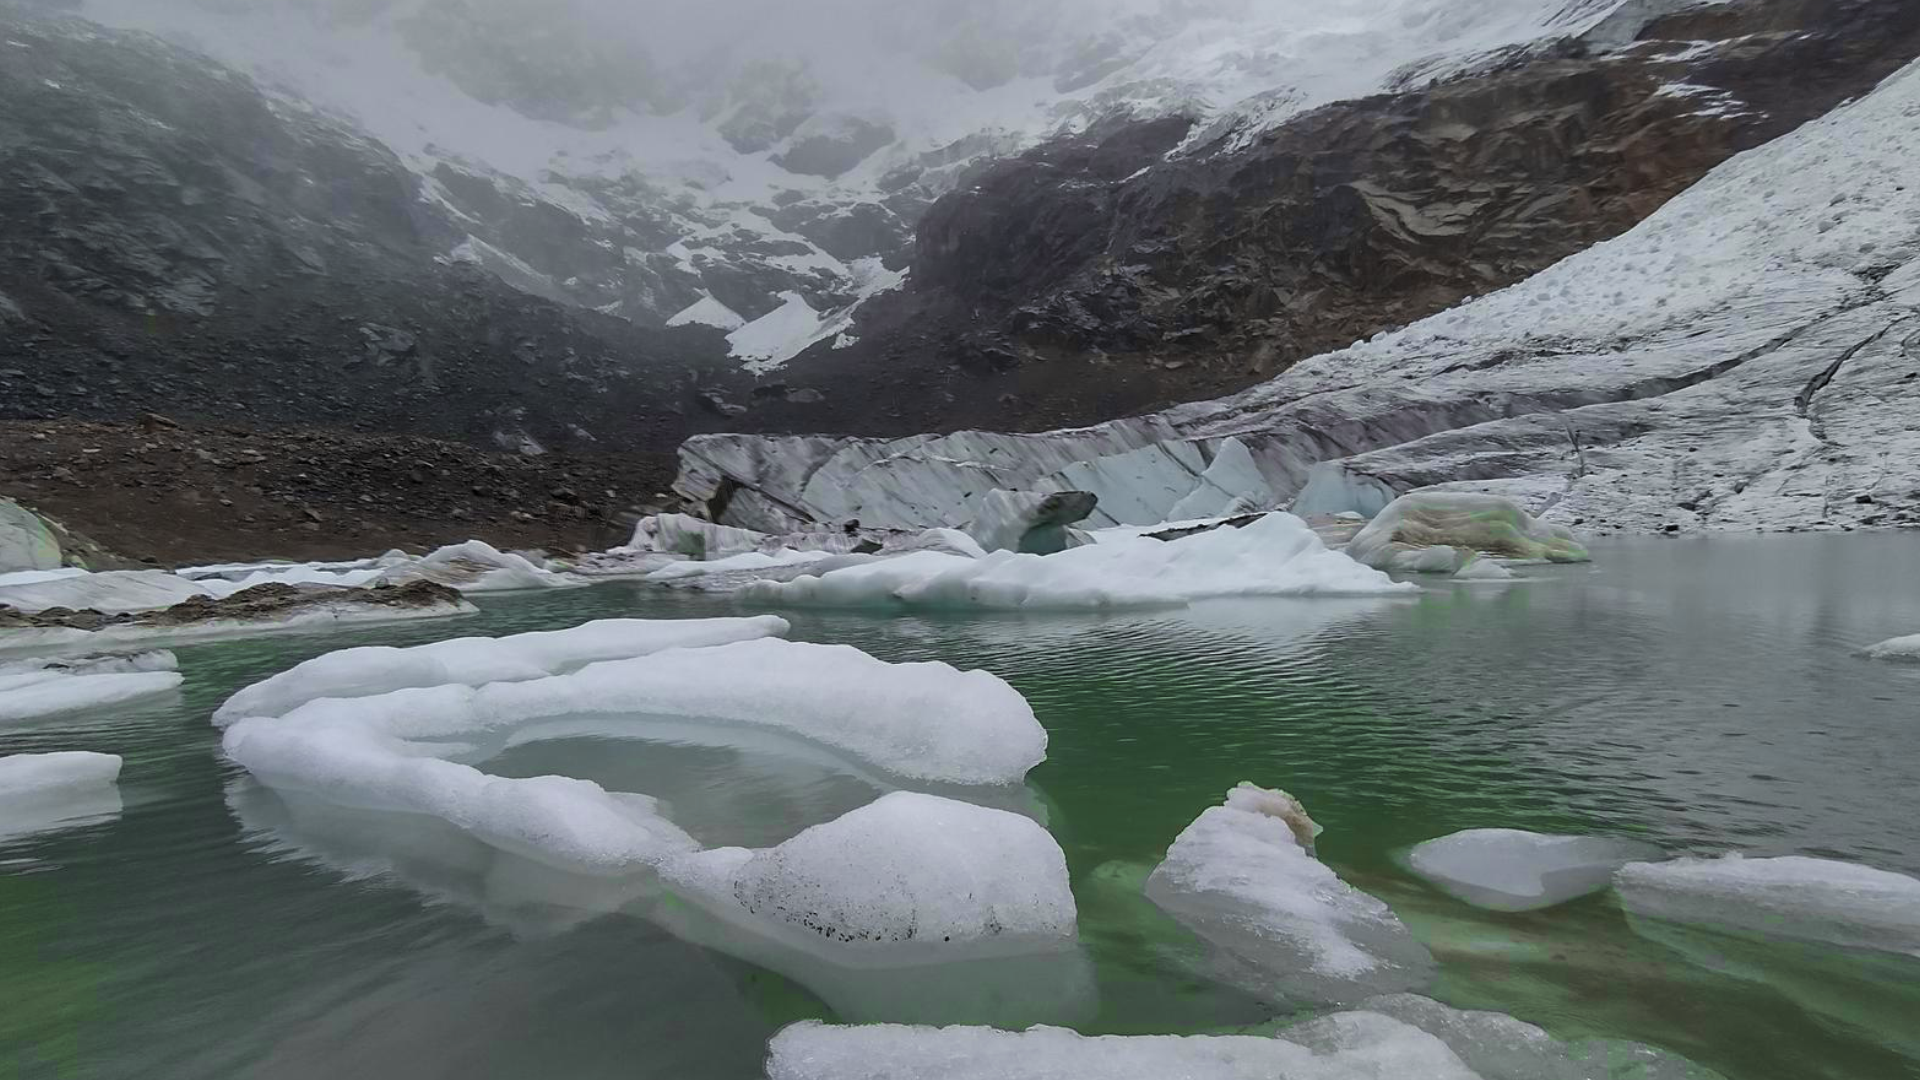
x,y
1515,870
1708,696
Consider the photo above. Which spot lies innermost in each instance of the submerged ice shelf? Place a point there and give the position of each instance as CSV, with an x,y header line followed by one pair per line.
x,y
1787,897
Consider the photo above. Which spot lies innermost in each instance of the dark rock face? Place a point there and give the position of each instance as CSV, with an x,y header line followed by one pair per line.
x,y
1099,276
177,241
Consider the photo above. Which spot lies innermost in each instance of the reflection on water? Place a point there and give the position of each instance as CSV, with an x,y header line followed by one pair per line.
x,y
1700,695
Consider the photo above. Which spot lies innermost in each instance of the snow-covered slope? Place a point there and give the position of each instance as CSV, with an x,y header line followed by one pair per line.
x,y
758,167
1748,357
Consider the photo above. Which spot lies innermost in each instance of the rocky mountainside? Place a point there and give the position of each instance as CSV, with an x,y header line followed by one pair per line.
x,y
1747,357
760,169
1147,263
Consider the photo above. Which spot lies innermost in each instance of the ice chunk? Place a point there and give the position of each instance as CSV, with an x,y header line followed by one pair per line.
x,y
1242,877
1030,521
1515,870
50,692
1347,1046
379,669
684,534
1787,897
1274,556
1499,1047
1900,648
39,792
904,875
1411,532
477,566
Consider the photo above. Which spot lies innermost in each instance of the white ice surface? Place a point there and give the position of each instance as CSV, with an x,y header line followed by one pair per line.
x,y
1499,1047
746,560
380,669
43,792
1514,870
1346,1046
49,693
1240,877
100,664
1790,896
1275,556
907,875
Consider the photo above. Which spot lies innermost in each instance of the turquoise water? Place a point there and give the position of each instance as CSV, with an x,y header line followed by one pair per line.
x,y
1701,694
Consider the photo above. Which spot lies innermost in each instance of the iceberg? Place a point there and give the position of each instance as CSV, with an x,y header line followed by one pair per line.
x,y
1479,569
1277,555
50,692
1515,870
1792,897
1900,648
1346,1046
44,792
731,564
100,664
380,669
1243,877
902,877
1427,532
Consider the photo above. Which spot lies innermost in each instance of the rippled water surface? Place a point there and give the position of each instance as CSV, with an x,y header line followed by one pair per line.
x,y
1702,694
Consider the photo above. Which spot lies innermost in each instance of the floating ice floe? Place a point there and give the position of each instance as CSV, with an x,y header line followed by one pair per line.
x,y
43,792
1440,531
50,691
906,876
1242,877
746,560
1792,897
1515,870
1346,1046
98,664
1900,648
1274,556
380,669
394,751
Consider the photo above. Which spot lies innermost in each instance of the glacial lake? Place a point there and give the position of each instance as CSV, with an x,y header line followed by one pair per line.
x,y
1704,694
